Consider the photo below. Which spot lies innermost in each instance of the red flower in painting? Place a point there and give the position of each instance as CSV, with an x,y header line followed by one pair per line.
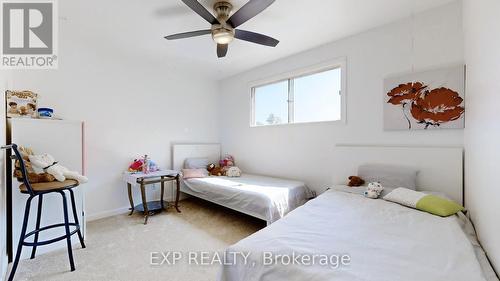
x,y
405,94
437,106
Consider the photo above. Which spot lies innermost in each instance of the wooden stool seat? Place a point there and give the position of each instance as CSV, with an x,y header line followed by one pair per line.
x,y
48,186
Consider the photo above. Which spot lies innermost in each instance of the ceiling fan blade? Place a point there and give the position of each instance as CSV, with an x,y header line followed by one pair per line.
x,y
188,34
248,11
221,50
255,38
200,10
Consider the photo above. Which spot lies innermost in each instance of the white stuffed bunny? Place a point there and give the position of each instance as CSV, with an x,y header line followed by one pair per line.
x,y
373,190
47,163
233,172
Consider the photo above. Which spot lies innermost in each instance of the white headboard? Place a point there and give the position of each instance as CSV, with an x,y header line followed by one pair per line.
x,y
440,168
182,151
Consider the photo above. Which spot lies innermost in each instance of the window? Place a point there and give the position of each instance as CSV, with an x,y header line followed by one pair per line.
x,y
315,96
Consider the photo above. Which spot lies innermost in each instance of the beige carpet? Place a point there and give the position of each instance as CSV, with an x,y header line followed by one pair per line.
x,y
119,248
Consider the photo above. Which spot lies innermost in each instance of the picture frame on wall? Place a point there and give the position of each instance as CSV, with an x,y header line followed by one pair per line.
x,y
21,104
428,100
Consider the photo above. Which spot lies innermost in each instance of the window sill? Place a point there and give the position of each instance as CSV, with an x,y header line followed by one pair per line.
x,y
301,123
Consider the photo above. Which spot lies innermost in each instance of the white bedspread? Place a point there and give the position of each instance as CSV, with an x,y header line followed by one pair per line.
x,y
384,240
264,197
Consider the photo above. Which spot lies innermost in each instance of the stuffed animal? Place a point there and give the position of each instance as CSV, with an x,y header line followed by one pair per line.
x,y
138,165
49,165
227,162
373,190
33,177
233,172
355,181
214,170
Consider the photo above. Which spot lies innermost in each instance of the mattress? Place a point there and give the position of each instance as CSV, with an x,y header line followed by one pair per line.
x,y
263,197
383,240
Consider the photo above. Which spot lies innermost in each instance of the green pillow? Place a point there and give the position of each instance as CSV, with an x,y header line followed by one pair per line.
x,y
438,206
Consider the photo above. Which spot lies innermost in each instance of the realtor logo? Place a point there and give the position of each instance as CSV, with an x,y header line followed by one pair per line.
x,y
29,34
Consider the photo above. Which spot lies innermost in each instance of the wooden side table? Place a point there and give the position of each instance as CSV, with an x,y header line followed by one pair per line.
x,y
152,207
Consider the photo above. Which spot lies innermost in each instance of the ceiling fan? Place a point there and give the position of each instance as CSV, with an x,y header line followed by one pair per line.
x,y
224,25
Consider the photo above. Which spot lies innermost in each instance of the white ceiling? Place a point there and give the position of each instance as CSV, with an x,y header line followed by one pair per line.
x,y
137,27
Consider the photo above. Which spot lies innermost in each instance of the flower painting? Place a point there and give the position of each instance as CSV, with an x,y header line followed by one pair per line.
x,y
425,100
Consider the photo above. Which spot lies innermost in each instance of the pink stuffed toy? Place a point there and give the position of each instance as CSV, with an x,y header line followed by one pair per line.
x,y
227,162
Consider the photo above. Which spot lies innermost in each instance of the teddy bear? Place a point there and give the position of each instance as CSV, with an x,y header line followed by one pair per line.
x,y
233,172
47,163
214,170
355,181
373,190
33,177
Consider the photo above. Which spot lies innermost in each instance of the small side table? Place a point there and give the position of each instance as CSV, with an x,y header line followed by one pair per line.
x,y
141,179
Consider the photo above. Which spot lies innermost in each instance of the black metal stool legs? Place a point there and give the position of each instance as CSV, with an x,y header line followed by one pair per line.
x,y
37,227
21,239
68,234
75,216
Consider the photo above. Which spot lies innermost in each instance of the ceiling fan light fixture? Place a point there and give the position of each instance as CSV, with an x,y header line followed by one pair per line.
x,y
223,23
222,36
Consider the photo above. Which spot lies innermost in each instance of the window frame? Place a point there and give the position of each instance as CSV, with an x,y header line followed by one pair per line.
x,y
298,73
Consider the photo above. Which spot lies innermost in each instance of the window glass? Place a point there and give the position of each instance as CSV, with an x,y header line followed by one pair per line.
x,y
317,97
271,104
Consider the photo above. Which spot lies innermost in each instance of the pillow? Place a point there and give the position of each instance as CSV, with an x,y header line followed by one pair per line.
x,y
194,173
196,163
424,202
389,175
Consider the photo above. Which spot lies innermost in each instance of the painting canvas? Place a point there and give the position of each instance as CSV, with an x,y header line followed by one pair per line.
x,y
429,100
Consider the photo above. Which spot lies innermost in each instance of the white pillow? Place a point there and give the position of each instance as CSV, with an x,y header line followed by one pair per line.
x,y
389,175
405,197
196,163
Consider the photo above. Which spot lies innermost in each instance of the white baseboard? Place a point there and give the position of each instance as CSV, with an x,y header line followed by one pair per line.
x,y
108,213
123,210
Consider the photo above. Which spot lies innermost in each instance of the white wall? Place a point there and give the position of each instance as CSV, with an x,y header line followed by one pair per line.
x,y
130,107
482,134
303,151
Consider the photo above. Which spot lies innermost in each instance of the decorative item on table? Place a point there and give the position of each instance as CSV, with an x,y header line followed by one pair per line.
x,y
21,104
426,100
143,165
45,113
33,176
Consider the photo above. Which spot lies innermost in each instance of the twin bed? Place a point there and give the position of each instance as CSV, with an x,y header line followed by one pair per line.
x,y
341,235
266,198
384,241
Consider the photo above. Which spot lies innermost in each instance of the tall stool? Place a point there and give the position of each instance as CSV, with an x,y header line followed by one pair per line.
x,y
40,189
